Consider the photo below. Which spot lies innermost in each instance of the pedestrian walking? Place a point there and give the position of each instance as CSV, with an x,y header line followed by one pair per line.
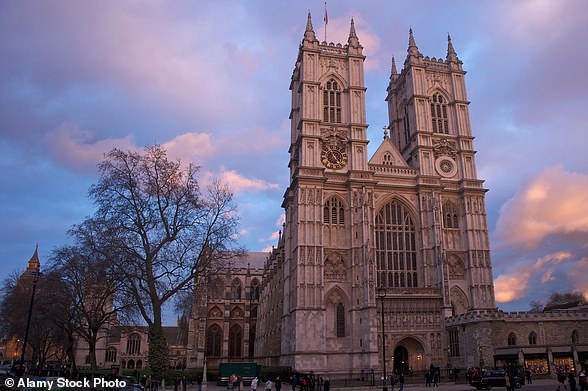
x,y
254,384
268,385
401,382
572,380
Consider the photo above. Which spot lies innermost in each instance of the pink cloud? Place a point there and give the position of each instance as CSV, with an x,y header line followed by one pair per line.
x,y
513,284
77,148
241,184
554,202
192,147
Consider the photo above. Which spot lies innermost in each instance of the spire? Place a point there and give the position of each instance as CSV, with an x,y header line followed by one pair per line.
x,y
309,33
413,50
352,40
34,262
394,72
451,55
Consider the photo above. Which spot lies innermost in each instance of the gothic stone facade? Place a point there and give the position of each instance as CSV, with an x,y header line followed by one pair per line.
x,y
404,230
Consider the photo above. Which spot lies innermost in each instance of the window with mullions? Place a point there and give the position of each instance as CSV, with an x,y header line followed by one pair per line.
x,y
439,114
450,219
454,343
396,253
235,341
512,339
213,341
333,212
134,344
332,102
340,320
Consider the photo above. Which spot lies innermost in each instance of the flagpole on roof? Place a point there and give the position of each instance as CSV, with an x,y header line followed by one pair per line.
x,y
326,19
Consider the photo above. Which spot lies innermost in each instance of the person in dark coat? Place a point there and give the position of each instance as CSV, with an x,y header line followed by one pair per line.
x,y
327,385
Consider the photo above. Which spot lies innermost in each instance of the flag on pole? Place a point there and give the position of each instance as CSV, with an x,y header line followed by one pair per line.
x,y
326,19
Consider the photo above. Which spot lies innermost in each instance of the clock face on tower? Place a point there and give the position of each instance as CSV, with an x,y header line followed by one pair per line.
x,y
333,157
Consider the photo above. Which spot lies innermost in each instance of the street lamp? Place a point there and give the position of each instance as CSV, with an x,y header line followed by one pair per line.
x,y
382,296
36,274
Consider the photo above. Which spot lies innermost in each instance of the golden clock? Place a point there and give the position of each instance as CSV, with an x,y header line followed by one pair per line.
x,y
333,157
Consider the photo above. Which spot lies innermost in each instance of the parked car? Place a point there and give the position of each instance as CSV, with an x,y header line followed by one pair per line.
x,y
496,378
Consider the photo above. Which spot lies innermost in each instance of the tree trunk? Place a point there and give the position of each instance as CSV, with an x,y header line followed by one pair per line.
x,y
92,353
158,354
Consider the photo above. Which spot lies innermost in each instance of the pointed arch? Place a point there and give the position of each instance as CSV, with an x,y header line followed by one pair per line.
x,y
215,312
450,215
337,307
332,100
396,246
254,290
532,338
439,112
214,337
334,211
512,339
235,341
459,301
236,289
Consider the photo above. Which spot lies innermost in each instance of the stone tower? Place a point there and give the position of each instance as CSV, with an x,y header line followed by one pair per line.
x,y
404,232
328,305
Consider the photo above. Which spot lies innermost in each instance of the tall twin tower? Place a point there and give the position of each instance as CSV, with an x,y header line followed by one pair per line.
x,y
404,229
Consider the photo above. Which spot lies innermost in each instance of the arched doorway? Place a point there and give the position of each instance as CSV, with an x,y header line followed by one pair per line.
x,y
409,356
400,360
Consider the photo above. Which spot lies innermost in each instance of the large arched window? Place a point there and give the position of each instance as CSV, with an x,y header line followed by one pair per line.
x,y
333,212
340,320
450,219
214,337
235,341
575,337
332,102
533,338
236,289
254,290
134,344
512,339
439,114
396,247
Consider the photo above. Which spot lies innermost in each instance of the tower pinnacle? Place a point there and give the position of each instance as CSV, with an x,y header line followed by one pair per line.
x,y
393,72
451,55
413,50
352,40
34,262
309,33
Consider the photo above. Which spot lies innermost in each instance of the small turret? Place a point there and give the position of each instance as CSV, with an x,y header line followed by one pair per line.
x,y
393,72
309,33
353,41
451,55
413,50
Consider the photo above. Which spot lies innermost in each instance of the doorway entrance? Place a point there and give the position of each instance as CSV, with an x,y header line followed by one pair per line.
x,y
400,360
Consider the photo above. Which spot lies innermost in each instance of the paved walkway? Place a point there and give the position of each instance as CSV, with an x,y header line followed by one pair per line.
x,y
410,387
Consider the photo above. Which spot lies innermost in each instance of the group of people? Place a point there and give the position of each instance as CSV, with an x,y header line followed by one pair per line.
x,y
268,385
432,378
309,382
580,384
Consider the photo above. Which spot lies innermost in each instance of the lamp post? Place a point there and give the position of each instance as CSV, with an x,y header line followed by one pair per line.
x,y
382,296
36,274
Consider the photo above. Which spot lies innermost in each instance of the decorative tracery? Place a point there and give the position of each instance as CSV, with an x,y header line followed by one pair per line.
x,y
439,114
332,102
396,247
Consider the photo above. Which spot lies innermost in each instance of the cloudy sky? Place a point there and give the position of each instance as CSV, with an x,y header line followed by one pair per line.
x,y
209,80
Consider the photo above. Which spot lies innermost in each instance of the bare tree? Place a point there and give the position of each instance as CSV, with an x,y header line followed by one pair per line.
x,y
159,229
89,290
45,338
557,299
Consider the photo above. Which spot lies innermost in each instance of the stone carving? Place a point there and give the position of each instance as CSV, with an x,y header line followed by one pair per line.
x,y
215,312
334,267
236,313
444,147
